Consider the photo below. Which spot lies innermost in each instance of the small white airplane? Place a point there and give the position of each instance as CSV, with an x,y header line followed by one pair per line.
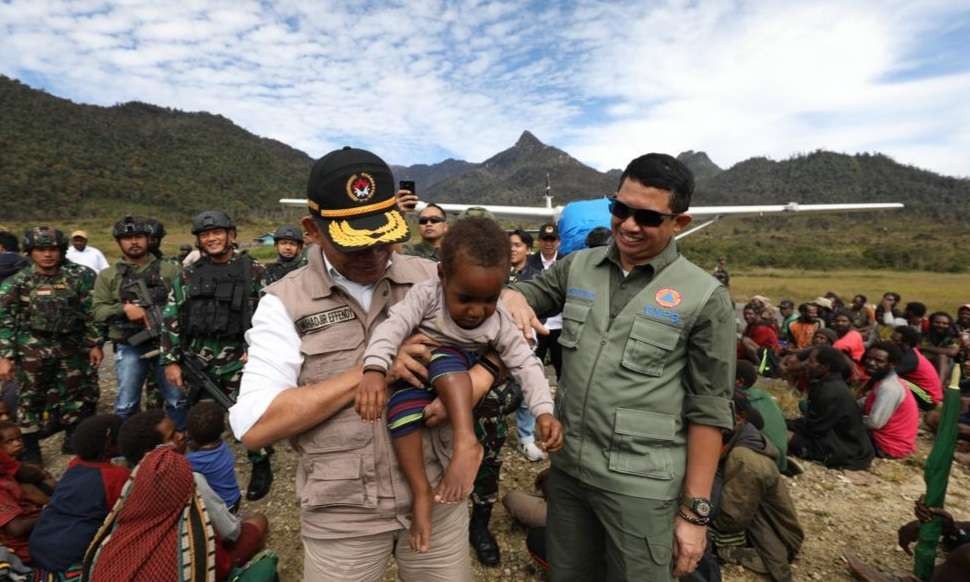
x,y
706,215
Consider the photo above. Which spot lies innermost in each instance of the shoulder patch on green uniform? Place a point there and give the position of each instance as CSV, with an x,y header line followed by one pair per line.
x,y
324,319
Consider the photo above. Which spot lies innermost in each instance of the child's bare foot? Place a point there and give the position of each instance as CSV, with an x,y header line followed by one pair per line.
x,y
420,535
459,478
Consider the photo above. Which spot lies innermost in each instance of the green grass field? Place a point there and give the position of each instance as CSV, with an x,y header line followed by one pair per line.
x,y
939,291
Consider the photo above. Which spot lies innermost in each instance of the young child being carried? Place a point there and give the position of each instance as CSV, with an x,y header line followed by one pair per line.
x,y
461,312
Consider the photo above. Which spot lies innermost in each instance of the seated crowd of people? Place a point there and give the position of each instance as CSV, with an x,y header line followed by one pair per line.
x,y
107,518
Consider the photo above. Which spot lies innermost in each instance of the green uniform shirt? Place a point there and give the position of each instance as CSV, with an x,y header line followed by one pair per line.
x,y
19,318
223,354
775,429
707,371
107,291
421,249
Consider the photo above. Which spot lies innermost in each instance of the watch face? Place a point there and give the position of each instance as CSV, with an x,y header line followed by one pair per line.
x,y
702,508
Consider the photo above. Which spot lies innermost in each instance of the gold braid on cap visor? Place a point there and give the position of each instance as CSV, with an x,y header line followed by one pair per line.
x,y
345,235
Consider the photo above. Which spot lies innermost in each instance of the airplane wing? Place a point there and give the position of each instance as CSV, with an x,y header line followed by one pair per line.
x,y
590,213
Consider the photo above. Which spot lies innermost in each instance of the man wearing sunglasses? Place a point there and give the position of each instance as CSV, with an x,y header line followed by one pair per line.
x,y
648,370
432,226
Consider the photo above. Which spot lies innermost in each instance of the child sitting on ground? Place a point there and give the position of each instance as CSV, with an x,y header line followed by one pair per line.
x,y
38,483
19,508
461,312
83,497
240,537
209,454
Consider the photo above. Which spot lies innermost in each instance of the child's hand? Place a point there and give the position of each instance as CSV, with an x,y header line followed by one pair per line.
x,y
549,433
371,396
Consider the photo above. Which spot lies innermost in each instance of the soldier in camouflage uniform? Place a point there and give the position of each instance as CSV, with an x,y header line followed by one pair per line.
x,y
209,309
288,240
48,339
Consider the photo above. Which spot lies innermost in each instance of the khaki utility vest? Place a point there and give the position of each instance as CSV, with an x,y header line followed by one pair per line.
x,y
348,479
622,388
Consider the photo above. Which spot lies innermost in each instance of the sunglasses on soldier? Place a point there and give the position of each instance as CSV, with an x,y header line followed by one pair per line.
x,y
430,220
642,216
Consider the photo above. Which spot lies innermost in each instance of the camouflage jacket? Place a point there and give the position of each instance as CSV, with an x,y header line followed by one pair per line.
x,y
219,351
54,306
421,249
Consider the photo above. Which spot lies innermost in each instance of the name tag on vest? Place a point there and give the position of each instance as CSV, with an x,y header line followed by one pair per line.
x,y
324,319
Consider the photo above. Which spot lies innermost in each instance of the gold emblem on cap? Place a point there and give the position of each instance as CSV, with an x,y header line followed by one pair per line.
x,y
361,187
394,230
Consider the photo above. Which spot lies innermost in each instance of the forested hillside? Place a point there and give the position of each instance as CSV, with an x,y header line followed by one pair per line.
x,y
60,159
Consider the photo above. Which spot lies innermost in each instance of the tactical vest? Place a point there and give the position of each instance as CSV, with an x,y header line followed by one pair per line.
x,y
156,288
279,269
55,306
218,304
622,388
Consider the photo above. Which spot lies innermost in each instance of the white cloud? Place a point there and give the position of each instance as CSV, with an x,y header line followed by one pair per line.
x,y
604,80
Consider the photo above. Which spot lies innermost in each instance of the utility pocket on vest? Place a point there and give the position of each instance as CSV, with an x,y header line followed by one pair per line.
x,y
648,346
340,465
573,319
640,441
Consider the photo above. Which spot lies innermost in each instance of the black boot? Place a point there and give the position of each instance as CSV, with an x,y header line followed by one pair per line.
x,y
260,479
32,449
67,447
481,539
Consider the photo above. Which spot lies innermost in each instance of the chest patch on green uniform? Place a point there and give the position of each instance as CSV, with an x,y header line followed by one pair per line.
x,y
324,319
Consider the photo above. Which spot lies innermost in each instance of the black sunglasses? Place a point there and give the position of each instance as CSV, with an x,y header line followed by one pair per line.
x,y
430,220
642,216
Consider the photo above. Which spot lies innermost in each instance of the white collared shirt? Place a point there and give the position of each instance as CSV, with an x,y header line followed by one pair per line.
x,y
554,322
90,257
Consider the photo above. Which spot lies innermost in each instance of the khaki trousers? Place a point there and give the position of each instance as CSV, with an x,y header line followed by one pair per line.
x,y
594,534
365,559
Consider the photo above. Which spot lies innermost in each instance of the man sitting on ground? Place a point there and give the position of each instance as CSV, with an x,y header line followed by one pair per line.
x,y
888,406
915,315
941,344
788,316
831,431
774,420
863,315
756,524
803,329
914,368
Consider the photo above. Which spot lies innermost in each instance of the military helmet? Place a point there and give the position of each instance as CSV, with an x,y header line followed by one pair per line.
x,y
44,236
158,229
210,220
131,226
288,232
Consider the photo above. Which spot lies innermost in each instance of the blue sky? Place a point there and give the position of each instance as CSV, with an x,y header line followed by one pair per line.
x,y
423,80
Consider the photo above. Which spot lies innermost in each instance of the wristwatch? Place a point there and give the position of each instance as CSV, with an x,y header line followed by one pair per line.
x,y
701,508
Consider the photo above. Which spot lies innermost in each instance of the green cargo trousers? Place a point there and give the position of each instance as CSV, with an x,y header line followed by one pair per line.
x,y
594,534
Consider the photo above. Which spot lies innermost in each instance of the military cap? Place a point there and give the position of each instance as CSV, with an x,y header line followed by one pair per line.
x,y
352,192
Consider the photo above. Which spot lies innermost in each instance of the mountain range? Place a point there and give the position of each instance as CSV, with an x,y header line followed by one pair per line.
x,y
59,158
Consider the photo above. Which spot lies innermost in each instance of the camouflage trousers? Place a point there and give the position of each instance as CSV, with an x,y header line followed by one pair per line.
x,y
492,428
58,387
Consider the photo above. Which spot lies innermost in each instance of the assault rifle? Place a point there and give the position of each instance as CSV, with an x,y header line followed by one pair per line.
x,y
153,313
199,381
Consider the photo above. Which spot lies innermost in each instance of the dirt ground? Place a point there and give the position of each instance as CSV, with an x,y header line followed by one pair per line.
x,y
840,511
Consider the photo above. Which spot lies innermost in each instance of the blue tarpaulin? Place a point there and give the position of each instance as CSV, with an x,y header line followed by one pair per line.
x,y
577,219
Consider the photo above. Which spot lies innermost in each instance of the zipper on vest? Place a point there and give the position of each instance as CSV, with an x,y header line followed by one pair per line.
x,y
589,382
